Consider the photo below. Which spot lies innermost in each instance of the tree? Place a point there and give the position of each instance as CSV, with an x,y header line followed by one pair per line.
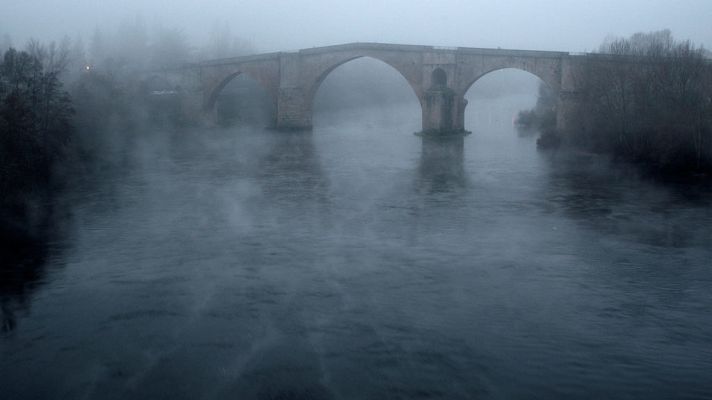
x,y
35,117
77,60
132,43
170,48
5,43
543,116
222,43
97,48
646,99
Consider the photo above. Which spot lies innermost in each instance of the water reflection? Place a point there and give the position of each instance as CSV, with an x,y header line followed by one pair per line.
x,y
22,271
292,162
441,167
361,263
616,201
292,182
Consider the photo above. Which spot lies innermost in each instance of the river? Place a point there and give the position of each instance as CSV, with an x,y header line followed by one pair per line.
x,y
358,261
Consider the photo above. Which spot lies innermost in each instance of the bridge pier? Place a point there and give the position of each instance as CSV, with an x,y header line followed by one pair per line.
x,y
293,110
443,112
442,162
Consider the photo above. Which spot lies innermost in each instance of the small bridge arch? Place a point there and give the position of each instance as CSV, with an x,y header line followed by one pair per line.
x,y
212,94
513,80
216,75
551,84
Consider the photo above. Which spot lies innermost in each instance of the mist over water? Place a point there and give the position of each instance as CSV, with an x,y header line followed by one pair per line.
x,y
358,261
158,242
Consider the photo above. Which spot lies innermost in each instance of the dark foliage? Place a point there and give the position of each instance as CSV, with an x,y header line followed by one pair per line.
x,y
652,107
35,116
543,116
541,119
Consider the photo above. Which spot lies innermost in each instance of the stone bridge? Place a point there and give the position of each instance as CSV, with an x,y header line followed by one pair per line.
x,y
439,77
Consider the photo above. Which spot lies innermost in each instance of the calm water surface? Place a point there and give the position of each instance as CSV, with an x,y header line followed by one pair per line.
x,y
359,262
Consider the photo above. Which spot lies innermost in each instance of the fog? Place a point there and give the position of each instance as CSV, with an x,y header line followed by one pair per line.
x,y
150,253
276,25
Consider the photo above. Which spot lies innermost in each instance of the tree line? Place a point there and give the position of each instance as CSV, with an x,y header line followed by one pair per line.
x,y
35,121
653,108
67,108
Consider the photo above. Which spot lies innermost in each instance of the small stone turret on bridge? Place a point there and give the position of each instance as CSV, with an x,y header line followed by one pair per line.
x,y
439,77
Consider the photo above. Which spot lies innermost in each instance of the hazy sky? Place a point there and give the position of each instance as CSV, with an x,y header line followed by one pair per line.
x,y
567,25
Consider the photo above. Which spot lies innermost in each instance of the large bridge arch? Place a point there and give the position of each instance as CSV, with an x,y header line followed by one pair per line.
x,y
316,68
386,70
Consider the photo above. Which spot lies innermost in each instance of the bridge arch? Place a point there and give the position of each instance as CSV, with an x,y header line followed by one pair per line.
x,y
322,71
218,84
551,80
507,81
348,88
